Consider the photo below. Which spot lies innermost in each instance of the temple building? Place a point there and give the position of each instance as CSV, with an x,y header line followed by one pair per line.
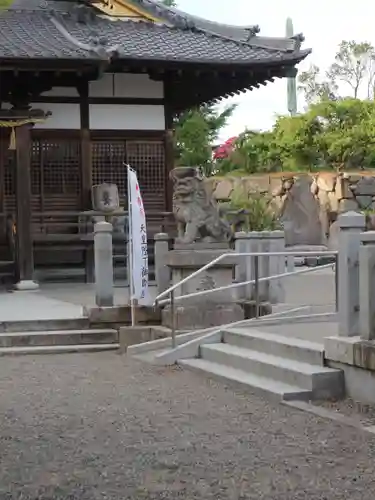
x,y
88,86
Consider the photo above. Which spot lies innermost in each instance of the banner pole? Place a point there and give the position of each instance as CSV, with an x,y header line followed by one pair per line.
x,y
130,251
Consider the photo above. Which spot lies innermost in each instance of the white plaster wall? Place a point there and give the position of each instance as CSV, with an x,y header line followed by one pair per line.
x,y
62,92
126,117
126,85
64,116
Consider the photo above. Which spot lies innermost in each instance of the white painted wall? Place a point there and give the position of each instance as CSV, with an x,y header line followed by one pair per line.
x,y
64,116
126,117
126,85
116,85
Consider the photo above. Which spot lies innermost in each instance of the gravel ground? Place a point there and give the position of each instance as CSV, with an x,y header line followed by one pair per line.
x,y
360,412
101,426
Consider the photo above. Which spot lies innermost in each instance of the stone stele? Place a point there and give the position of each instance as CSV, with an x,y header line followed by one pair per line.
x,y
300,215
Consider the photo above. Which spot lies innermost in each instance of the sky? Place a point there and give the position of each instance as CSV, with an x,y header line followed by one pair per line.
x,y
324,23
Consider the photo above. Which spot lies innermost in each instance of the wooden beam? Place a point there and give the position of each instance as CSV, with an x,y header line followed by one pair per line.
x,y
86,160
138,101
24,243
169,145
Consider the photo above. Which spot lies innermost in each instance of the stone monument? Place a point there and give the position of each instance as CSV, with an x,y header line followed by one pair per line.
x,y
202,237
300,215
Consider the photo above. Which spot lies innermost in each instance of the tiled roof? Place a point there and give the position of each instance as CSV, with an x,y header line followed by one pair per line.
x,y
245,34
33,35
64,30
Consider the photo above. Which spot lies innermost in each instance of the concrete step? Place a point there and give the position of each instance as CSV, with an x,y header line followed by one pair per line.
x,y
57,349
259,385
59,338
321,381
277,345
291,310
44,325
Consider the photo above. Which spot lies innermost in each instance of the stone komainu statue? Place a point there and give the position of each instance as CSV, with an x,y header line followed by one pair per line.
x,y
196,212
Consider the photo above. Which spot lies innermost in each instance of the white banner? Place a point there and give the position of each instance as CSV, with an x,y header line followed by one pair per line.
x,y
138,253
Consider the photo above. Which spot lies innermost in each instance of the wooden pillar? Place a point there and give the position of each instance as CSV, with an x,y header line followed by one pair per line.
x,y
169,144
24,243
86,162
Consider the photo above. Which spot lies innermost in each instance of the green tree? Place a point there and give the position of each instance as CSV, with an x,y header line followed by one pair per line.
x,y
4,4
354,66
314,87
335,135
196,130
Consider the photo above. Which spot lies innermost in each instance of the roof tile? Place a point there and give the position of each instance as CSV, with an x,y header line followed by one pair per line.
x,y
35,33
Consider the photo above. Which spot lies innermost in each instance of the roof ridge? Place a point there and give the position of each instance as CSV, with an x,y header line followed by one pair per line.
x,y
247,35
94,45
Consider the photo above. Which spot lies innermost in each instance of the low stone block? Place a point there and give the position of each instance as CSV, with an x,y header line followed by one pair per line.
x,y
348,205
122,315
190,317
340,349
364,201
342,188
259,184
223,190
364,354
326,181
133,335
333,202
365,187
249,308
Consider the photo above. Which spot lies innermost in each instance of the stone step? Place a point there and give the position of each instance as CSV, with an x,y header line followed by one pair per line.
x,y
57,349
321,381
78,323
259,385
275,344
59,338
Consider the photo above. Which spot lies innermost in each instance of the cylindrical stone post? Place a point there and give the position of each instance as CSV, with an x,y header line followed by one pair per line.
x,y
367,286
351,225
276,266
162,271
103,255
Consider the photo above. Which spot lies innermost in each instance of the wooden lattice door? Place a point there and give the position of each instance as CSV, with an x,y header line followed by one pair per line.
x,y
56,174
109,159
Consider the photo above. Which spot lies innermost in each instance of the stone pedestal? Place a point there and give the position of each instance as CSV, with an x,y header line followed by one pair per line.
x,y
26,286
213,309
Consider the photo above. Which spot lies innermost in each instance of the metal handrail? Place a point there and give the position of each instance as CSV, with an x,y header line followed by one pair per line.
x,y
243,283
172,299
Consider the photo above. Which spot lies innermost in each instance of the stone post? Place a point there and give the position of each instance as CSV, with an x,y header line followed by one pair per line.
x,y
162,271
103,255
260,241
367,286
351,225
243,266
290,266
276,266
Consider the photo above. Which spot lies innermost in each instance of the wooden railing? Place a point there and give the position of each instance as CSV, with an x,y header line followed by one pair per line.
x,y
61,237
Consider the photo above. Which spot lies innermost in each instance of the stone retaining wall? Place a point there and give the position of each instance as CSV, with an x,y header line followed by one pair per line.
x,y
308,203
